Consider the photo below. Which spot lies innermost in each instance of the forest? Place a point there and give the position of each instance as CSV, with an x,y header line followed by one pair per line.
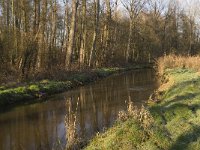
x,y
43,37
53,54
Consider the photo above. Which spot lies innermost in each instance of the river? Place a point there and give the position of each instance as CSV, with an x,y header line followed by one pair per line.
x,y
42,125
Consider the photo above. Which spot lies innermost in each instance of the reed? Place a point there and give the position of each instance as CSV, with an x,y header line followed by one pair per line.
x,y
142,115
173,61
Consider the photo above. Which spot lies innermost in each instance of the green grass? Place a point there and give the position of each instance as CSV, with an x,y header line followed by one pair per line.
x,y
176,120
30,91
129,135
180,109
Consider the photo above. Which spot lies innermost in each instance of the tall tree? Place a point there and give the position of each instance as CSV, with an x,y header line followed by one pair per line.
x,y
72,34
42,42
95,33
83,34
134,8
107,34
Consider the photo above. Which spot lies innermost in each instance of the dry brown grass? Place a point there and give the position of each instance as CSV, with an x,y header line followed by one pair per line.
x,y
142,115
174,61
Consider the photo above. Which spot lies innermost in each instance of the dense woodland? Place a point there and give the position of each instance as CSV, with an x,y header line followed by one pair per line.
x,y
51,35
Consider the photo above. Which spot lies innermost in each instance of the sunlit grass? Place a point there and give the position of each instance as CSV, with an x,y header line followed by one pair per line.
x,y
179,109
35,90
176,124
135,129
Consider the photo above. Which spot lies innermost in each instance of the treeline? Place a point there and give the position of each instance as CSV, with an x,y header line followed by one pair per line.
x,y
44,35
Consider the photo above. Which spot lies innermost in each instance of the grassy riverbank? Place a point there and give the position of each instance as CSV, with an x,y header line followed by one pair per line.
x,y
175,123
25,92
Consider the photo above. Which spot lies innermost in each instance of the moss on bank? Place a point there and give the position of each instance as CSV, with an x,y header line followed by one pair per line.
x,y
41,89
176,119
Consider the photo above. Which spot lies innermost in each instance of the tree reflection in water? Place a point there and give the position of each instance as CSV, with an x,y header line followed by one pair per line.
x,y
43,126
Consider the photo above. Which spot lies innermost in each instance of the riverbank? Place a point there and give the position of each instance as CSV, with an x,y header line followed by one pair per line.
x,y
171,122
36,91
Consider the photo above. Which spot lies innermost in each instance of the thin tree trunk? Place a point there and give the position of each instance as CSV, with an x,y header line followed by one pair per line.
x,y
129,41
14,52
84,34
66,37
72,34
54,20
8,13
53,33
107,29
42,44
95,34
115,29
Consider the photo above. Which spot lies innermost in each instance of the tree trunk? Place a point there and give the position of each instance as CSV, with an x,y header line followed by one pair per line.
x,y
72,34
129,40
66,36
42,44
95,34
8,13
84,34
115,29
107,29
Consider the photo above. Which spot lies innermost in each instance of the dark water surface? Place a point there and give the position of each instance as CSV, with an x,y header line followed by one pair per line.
x,y
41,126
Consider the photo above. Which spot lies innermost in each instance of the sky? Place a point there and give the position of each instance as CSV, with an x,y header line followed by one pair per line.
x,y
184,3
191,6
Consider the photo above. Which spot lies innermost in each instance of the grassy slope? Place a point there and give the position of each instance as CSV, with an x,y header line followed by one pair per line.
x,y
176,120
129,135
31,91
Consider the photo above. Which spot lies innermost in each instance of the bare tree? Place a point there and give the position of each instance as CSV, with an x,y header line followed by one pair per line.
x,y
71,34
84,34
42,43
107,34
134,8
95,34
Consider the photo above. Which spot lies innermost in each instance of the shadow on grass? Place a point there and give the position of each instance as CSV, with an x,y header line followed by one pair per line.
x,y
184,111
178,95
177,103
184,140
178,110
179,87
180,105
180,98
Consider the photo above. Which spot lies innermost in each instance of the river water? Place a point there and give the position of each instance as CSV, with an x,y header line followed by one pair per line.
x,y
42,125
